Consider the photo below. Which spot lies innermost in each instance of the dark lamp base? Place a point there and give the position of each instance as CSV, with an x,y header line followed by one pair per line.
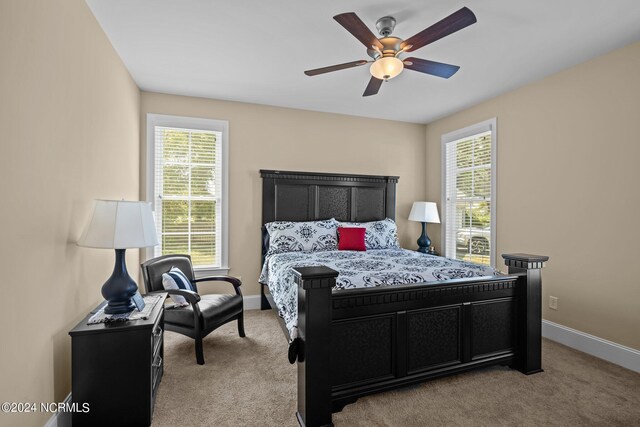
x,y
424,243
119,288
120,307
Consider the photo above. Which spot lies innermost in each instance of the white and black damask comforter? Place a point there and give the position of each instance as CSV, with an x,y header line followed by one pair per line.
x,y
380,267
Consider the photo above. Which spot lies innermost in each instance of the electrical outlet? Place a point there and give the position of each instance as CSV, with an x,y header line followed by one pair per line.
x,y
553,303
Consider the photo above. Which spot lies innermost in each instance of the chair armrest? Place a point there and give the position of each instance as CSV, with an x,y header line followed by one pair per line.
x,y
237,283
192,297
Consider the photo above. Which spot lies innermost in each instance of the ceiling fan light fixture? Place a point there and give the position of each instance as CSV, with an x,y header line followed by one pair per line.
x,y
386,68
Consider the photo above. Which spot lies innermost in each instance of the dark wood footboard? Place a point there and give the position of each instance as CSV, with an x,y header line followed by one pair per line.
x,y
362,341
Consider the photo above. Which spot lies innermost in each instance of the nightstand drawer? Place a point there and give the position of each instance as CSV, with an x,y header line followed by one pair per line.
x,y
156,366
156,342
157,369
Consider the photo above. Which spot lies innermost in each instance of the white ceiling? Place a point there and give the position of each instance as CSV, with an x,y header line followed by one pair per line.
x,y
256,50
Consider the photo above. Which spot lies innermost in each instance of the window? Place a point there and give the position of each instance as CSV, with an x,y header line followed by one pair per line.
x,y
468,181
187,184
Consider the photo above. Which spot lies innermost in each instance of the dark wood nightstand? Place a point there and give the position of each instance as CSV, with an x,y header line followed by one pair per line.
x,y
116,369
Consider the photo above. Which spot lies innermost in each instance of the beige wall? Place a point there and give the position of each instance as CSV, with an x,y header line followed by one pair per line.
x,y
69,115
263,137
567,186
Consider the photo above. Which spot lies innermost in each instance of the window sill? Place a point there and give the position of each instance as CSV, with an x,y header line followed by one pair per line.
x,y
210,271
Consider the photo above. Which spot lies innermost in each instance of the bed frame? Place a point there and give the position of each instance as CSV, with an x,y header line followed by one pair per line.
x,y
356,342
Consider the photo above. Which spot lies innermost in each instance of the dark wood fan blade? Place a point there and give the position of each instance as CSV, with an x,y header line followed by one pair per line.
x,y
431,67
355,26
449,25
373,87
335,68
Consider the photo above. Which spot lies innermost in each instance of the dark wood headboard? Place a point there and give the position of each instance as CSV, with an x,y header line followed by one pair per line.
x,y
309,196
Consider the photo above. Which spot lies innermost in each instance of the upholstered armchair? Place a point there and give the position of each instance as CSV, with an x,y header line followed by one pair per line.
x,y
205,313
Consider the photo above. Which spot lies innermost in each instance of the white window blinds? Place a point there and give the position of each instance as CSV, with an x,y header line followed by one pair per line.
x,y
469,176
187,193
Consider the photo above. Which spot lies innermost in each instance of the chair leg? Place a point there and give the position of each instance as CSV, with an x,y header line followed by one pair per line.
x,y
199,355
241,325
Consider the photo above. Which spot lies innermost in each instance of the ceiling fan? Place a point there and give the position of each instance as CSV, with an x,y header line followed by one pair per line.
x,y
386,50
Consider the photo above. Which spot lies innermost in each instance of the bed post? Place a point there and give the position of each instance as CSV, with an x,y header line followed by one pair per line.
x,y
314,332
528,267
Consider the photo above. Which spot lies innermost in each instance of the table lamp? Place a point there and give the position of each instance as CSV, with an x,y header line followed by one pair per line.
x,y
424,212
119,225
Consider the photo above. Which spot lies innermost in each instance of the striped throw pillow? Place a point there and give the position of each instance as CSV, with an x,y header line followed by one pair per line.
x,y
176,279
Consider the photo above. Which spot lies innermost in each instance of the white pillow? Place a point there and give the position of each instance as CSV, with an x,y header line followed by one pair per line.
x,y
289,236
176,279
381,234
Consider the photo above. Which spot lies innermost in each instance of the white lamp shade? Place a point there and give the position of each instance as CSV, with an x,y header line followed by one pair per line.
x,y
424,212
118,224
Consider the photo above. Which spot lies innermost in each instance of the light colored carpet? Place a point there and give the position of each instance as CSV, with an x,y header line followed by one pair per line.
x,y
249,382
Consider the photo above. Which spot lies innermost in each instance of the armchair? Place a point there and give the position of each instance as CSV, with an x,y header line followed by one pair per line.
x,y
205,313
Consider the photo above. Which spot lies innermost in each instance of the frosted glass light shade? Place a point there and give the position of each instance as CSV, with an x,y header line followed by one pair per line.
x,y
118,224
424,212
386,68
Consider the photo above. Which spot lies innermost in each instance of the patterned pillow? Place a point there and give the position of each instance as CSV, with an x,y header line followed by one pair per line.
x,y
288,236
176,279
379,235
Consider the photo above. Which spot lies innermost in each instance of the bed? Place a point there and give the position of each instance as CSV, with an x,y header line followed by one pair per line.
x,y
349,342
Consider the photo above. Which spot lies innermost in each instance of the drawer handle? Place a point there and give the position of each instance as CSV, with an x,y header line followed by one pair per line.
x,y
158,363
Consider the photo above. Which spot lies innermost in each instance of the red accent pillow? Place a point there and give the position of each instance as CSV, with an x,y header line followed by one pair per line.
x,y
351,239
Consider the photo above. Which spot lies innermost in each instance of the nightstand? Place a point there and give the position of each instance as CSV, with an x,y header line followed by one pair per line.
x,y
116,369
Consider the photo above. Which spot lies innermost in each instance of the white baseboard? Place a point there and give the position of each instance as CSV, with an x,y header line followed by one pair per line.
x,y
251,302
626,357
60,419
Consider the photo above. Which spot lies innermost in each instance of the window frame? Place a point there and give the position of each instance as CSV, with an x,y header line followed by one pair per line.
x,y
197,123
484,126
